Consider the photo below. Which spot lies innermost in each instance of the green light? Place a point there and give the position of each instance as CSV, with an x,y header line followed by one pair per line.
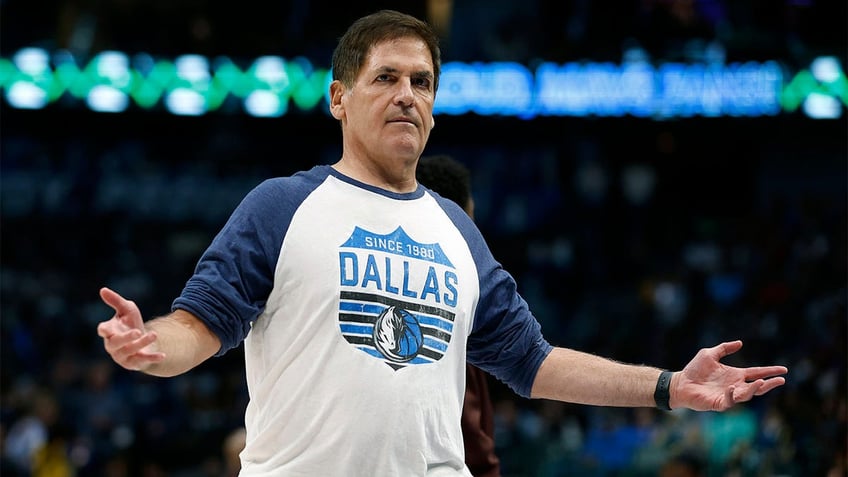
x,y
7,71
163,74
230,78
145,93
839,88
804,84
216,95
796,91
308,85
289,82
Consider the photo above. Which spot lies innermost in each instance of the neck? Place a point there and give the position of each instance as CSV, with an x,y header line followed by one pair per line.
x,y
395,176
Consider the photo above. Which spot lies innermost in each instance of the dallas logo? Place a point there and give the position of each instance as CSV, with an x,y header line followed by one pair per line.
x,y
396,297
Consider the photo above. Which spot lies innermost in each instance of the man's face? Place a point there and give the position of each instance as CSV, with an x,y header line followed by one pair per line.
x,y
388,113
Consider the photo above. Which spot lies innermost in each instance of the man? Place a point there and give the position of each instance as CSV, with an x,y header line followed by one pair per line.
x,y
450,178
359,296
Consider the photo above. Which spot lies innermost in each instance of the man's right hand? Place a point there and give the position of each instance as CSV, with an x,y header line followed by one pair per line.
x,y
124,336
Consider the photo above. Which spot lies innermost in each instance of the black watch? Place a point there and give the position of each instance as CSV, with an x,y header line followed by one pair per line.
x,y
661,394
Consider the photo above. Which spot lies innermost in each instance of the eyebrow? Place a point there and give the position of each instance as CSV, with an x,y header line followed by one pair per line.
x,y
416,74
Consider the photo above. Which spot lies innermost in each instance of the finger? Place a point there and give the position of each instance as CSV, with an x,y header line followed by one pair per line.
x,y
128,343
121,305
762,372
125,310
142,360
136,352
143,357
745,392
729,348
106,329
770,384
728,400
113,326
726,348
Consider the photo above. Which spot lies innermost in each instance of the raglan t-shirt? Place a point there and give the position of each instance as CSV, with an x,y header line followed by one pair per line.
x,y
358,308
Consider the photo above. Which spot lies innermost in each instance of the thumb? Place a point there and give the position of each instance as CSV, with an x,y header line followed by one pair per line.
x,y
725,349
114,300
125,310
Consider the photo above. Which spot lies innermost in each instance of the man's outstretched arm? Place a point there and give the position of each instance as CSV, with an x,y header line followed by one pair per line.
x,y
704,384
165,346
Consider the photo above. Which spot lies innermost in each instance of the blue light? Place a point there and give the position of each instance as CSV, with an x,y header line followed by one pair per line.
x,y
194,85
185,102
26,95
264,104
107,99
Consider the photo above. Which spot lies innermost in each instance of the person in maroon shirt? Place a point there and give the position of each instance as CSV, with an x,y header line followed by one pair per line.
x,y
452,180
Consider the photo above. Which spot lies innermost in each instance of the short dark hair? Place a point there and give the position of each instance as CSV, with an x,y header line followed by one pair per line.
x,y
355,45
446,176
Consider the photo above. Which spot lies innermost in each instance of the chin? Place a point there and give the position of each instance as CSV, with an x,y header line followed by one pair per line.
x,y
407,148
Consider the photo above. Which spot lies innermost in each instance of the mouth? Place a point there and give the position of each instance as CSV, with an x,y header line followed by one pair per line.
x,y
402,120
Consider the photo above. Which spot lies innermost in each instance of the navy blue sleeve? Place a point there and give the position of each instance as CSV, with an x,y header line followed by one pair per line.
x,y
235,275
506,340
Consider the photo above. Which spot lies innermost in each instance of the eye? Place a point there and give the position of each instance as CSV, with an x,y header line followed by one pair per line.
x,y
384,77
422,82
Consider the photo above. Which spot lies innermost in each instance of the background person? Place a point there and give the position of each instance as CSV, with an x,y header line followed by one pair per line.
x,y
452,180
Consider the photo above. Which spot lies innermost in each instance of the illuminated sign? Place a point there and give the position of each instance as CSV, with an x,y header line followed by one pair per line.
x,y
268,86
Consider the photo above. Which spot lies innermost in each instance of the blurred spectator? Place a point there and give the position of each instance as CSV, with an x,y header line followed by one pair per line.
x,y
679,30
685,464
486,30
232,447
29,443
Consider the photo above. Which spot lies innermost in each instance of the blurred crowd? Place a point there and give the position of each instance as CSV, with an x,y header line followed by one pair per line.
x,y
471,30
643,258
636,240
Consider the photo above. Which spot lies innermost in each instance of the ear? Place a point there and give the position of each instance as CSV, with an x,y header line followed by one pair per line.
x,y
337,90
432,121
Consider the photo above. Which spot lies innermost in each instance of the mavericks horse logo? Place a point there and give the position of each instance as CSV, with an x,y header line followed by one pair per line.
x,y
397,334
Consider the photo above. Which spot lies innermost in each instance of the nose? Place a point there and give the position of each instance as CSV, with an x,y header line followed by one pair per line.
x,y
403,94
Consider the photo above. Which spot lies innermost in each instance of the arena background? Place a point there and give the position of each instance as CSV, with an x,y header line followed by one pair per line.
x,y
638,238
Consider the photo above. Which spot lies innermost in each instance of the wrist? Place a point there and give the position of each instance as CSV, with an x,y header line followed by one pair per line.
x,y
662,393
